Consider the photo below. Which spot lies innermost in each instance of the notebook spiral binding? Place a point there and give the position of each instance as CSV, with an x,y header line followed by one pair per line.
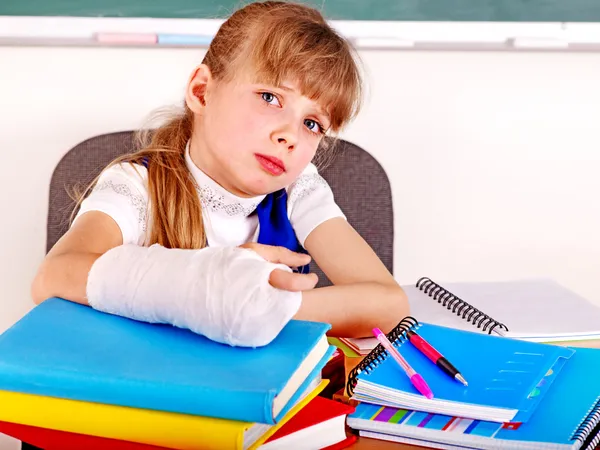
x,y
379,354
593,440
587,433
460,307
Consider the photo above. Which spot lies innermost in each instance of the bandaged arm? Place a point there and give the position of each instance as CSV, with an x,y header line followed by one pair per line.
x,y
222,293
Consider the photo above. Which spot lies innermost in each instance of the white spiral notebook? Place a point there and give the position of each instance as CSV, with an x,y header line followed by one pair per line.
x,y
538,310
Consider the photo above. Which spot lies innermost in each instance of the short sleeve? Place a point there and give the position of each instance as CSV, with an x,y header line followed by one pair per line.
x,y
121,192
310,203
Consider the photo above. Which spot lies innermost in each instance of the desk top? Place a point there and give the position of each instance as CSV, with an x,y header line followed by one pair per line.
x,y
376,444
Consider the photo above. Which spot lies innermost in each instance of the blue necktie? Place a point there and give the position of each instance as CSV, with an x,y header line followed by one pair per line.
x,y
275,227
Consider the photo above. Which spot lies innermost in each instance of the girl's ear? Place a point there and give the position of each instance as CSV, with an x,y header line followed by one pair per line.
x,y
195,95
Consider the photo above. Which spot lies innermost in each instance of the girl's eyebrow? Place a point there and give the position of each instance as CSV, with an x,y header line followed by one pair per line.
x,y
286,88
320,110
324,113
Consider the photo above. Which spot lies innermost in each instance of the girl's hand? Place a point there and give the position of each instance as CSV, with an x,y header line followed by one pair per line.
x,y
281,279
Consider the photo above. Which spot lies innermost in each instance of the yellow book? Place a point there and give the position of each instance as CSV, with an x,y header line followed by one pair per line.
x,y
177,431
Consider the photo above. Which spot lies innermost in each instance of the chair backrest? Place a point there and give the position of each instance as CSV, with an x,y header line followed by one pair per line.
x,y
358,181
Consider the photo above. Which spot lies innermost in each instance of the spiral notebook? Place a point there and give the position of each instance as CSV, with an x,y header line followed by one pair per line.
x,y
507,377
538,310
535,309
568,417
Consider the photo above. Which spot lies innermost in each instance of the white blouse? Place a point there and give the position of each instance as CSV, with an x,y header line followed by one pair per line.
x,y
122,193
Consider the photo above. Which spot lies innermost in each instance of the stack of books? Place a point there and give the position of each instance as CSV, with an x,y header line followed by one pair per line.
x,y
519,394
72,377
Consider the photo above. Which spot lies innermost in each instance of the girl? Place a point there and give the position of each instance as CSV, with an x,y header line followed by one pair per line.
x,y
202,226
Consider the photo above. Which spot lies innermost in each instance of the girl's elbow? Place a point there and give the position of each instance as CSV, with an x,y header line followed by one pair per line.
x,y
39,290
394,309
385,314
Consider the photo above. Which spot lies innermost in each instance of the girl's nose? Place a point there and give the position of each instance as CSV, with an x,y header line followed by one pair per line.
x,y
285,137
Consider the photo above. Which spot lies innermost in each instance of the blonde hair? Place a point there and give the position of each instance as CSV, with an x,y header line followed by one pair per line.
x,y
277,41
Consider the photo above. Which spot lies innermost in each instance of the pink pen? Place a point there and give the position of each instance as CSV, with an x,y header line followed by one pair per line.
x,y
416,379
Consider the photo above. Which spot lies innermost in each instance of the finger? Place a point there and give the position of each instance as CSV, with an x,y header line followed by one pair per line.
x,y
279,255
262,250
293,282
282,255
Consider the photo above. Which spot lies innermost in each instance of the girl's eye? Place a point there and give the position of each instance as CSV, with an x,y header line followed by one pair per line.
x,y
269,97
314,126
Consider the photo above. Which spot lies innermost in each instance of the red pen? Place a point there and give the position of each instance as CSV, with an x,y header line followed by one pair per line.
x,y
436,357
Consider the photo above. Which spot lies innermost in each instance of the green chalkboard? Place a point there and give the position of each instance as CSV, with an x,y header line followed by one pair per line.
x,y
421,10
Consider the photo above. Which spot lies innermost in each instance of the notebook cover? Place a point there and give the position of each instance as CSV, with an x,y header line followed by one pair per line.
x,y
67,350
61,440
181,431
318,410
502,373
571,405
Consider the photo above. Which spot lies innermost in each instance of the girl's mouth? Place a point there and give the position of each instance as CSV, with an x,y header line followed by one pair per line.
x,y
273,165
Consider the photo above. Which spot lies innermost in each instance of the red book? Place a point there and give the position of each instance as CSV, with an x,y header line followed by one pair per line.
x,y
63,440
320,424
343,444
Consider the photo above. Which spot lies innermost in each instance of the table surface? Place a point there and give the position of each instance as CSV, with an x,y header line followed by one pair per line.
x,y
377,444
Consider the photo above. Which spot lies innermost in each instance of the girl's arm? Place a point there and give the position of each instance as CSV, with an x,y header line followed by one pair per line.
x,y
64,271
364,294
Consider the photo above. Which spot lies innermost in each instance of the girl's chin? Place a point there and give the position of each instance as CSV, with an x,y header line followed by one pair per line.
x,y
262,184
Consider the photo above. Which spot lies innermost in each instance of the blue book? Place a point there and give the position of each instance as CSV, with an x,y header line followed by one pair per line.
x,y
568,417
507,377
66,350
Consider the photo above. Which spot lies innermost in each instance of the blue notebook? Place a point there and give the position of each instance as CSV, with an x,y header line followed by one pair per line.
x,y
507,377
567,417
66,350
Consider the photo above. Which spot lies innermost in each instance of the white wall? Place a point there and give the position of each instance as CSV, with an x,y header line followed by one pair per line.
x,y
493,157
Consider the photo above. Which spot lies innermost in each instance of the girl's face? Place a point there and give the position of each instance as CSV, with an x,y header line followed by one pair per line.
x,y
253,138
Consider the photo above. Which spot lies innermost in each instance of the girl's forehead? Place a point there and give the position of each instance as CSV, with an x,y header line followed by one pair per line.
x,y
285,82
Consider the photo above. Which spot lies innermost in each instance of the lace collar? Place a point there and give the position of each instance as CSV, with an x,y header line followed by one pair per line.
x,y
216,198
